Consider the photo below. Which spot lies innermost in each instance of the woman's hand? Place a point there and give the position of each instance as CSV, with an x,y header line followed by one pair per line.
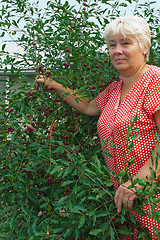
x,y
40,79
124,196
44,80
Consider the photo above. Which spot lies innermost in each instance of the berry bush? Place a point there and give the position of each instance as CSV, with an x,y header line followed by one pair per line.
x,y
54,181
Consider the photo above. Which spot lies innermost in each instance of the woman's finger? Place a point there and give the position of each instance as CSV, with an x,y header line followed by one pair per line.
x,y
124,196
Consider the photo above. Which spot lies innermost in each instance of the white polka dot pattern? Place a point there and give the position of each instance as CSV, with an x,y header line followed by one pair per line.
x,y
143,99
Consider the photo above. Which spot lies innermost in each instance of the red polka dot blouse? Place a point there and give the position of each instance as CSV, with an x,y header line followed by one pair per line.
x,y
143,99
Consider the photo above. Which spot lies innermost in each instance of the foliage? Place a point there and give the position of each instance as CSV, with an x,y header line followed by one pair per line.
x,y
54,181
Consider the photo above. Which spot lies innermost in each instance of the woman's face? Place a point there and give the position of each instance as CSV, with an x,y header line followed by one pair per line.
x,y
126,55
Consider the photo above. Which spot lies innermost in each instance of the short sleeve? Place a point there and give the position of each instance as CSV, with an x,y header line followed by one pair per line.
x,y
103,97
151,102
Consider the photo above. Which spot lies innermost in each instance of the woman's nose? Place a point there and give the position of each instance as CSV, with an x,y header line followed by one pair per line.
x,y
118,49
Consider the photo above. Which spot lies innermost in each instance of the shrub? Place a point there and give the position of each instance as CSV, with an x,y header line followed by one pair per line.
x,y
54,181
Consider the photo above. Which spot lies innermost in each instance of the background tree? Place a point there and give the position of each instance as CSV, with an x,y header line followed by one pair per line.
x,y
54,181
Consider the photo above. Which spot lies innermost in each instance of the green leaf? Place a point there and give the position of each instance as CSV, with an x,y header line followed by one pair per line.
x,y
95,232
56,169
82,221
133,219
107,154
157,200
135,137
130,162
135,129
123,5
3,46
108,183
125,231
79,209
123,218
135,118
34,227
140,181
112,232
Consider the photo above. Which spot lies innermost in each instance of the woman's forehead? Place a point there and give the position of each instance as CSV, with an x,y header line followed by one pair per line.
x,y
115,37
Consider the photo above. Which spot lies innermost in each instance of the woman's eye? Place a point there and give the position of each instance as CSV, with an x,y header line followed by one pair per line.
x,y
125,43
112,45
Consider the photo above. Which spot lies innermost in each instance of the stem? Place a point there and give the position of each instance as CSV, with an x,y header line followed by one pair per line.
x,y
100,186
116,3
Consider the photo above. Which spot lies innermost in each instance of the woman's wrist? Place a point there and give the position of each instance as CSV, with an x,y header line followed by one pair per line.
x,y
51,83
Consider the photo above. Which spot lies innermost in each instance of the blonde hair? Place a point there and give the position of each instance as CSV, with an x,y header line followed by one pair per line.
x,y
131,25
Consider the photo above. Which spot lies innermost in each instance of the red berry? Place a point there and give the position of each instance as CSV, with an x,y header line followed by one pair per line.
x,y
45,212
64,193
33,43
54,181
97,66
85,65
105,60
84,3
47,73
6,109
67,49
72,26
10,110
30,129
65,64
109,82
40,69
60,179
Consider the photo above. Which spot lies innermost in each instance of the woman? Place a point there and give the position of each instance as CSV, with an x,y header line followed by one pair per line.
x,y
138,92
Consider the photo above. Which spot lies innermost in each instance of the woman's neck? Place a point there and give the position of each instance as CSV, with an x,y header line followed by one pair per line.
x,y
133,78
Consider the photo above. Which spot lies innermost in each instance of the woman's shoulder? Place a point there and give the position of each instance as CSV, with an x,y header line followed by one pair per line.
x,y
103,97
154,70
113,86
152,80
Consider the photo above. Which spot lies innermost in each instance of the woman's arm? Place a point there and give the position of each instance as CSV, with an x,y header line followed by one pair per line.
x,y
84,104
126,196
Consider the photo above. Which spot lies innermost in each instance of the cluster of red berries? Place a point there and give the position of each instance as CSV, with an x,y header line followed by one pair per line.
x,y
8,110
40,70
